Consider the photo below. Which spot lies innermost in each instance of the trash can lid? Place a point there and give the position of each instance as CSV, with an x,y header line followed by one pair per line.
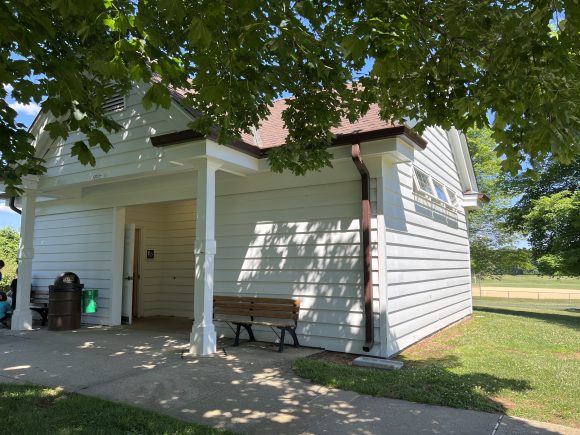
x,y
67,279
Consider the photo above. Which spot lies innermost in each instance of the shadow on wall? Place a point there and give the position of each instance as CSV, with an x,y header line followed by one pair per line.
x,y
435,212
395,218
302,244
318,262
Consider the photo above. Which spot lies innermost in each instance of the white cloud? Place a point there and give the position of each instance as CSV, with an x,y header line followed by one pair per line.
x,y
26,109
8,88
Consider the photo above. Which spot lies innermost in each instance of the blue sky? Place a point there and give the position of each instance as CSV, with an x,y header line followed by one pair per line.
x,y
26,114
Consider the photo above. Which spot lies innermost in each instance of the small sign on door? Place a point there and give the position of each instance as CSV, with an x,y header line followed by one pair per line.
x,y
150,254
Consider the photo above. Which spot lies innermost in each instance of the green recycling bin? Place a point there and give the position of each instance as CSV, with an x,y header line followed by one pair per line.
x,y
90,297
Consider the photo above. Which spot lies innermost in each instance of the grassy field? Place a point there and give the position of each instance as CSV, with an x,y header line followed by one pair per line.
x,y
532,282
522,362
27,409
553,304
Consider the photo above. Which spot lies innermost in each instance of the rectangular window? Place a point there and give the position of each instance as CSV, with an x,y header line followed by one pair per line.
x,y
435,190
440,191
423,182
453,197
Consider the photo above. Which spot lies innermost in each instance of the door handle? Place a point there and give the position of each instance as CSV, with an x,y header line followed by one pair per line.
x,y
129,278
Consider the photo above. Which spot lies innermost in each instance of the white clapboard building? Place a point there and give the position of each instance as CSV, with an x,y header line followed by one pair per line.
x,y
189,218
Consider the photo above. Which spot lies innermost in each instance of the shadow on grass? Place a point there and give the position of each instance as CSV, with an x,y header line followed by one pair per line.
x,y
432,381
563,319
28,409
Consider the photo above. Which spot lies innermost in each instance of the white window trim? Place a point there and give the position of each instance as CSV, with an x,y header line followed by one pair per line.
x,y
433,196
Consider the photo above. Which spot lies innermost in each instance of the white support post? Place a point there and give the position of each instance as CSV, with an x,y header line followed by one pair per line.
x,y
203,336
22,316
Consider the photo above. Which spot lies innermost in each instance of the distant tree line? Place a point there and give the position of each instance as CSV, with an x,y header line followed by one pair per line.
x,y
540,205
9,242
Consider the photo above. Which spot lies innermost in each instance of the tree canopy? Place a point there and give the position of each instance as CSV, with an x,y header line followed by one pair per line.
x,y
9,242
548,213
491,242
441,62
486,223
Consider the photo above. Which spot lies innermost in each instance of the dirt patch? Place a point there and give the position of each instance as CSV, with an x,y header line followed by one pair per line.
x,y
568,356
526,292
427,351
437,344
505,403
334,357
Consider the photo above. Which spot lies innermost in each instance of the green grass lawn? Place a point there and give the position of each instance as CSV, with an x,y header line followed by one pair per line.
x,y
521,362
28,409
532,281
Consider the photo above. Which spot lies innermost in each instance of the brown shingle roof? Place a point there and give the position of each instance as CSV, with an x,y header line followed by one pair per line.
x,y
272,132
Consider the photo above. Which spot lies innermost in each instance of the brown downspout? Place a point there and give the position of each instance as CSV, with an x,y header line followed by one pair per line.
x,y
366,244
13,205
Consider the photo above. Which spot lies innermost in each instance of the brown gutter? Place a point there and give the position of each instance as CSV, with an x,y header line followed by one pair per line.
x,y
262,153
366,245
12,205
483,197
383,133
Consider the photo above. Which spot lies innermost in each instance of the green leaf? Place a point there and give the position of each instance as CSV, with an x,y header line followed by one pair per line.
x,y
97,137
83,153
57,130
354,47
157,94
199,33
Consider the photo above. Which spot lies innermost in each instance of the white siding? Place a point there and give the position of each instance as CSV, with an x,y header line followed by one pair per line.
x,y
79,242
301,242
167,281
427,250
132,152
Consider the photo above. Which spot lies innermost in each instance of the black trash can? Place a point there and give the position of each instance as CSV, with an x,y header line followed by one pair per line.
x,y
64,302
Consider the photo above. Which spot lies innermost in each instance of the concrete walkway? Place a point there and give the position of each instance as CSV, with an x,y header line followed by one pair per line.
x,y
250,388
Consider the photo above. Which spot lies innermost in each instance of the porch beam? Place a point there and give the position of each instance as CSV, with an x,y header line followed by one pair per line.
x,y
22,316
203,336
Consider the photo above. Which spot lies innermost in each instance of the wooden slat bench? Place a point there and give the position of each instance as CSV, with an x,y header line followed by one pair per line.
x,y
39,303
248,311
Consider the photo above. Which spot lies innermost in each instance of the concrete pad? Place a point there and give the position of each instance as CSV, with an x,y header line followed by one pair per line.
x,y
377,363
250,388
372,415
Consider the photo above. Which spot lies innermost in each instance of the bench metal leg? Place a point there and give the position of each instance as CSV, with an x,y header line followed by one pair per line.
x,y
282,334
43,313
237,340
250,332
292,332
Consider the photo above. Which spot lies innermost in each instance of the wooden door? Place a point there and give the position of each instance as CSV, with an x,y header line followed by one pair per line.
x,y
128,265
136,272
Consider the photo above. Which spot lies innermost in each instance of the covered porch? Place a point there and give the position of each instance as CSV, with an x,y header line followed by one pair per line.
x,y
203,339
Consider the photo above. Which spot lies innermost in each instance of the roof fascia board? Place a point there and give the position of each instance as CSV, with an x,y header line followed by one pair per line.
x,y
468,162
462,162
474,200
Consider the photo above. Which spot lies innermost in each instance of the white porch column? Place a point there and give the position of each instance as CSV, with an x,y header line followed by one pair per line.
x,y
203,336
22,316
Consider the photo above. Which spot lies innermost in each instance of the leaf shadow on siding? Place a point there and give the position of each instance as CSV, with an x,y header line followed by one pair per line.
x,y
314,259
436,213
